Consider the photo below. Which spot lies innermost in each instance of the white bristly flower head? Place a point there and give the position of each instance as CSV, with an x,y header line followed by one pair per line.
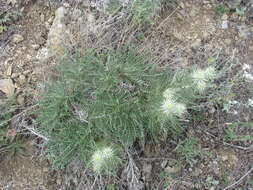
x,y
201,78
169,93
101,158
201,85
172,108
210,73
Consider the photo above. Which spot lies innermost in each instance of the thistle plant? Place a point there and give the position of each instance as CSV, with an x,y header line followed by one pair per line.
x,y
118,97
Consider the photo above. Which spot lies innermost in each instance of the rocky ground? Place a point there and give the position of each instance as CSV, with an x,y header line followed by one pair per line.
x,y
187,34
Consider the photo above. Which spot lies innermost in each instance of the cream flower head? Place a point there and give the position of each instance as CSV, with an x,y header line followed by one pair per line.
x,y
172,108
101,157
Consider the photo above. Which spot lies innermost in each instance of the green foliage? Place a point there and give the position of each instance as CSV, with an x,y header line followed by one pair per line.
x,y
231,132
211,181
9,17
110,187
113,6
189,151
221,9
143,11
2,29
240,11
11,143
116,97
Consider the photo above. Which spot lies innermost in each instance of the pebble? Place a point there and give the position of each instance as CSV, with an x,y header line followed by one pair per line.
x,y
35,46
228,41
197,172
50,20
17,38
58,181
27,72
21,100
164,163
14,75
244,31
196,43
173,169
45,169
42,17
66,5
9,71
224,24
147,169
22,79
224,17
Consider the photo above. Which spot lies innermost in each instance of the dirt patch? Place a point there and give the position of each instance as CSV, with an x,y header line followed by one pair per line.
x,y
25,172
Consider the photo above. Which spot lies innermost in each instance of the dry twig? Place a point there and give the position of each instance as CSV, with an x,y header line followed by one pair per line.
x,y
239,181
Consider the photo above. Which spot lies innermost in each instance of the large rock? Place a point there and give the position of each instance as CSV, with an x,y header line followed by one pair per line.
x,y
57,41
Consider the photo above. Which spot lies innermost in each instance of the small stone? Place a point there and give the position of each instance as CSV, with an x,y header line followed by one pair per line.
x,y
244,31
22,79
164,163
58,181
29,57
21,100
42,18
35,46
50,20
42,54
197,172
224,24
181,4
47,25
9,71
7,86
45,169
147,170
14,75
17,38
27,72
224,17
228,41
66,5
173,169
196,43
251,48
